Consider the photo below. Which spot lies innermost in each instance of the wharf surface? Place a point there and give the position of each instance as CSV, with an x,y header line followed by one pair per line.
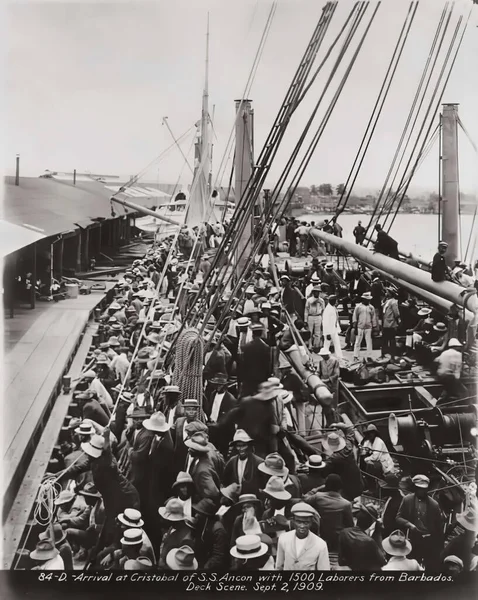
x,y
39,346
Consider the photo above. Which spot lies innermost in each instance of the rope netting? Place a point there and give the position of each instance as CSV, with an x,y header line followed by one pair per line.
x,y
188,365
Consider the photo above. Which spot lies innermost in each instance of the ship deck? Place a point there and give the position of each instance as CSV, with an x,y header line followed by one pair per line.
x,y
39,346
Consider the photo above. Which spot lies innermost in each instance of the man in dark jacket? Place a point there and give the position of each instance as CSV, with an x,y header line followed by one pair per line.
x,y
359,233
255,362
179,434
314,478
358,548
243,467
219,403
439,269
334,510
91,408
422,517
200,467
212,548
341,460
385,244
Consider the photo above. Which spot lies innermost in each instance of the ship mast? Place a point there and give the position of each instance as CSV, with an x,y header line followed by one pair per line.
x,y
200,188
450,201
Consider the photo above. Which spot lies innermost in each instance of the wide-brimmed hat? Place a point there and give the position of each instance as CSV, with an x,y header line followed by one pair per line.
x,y
114,341
267,391
198,442
143,356
58,533
90,491
275,487
371,427
455,560
231,491
315,278
248,546
138,413
367,296
157,422
45,550
302,509
421,481
64,497
276,382
104,345
315,461
284,277
454,343
94,447
173,510
274,465
206,507
324,352
196,427
440,327
182,559
219,379
250,290
183,478
131,518
132,537
424,312
90,374
396,544
334,442
154,338
242,436
85,428
469,517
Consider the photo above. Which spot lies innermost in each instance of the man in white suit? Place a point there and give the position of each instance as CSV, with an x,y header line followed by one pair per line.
x,y
300,549
331,326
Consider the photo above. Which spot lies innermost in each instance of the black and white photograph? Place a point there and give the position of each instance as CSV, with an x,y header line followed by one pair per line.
x,y
240,298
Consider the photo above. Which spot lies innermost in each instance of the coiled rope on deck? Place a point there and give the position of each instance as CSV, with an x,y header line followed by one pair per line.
x,y
188,364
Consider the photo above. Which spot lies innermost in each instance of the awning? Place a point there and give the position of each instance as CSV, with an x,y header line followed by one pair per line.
x,y
13,237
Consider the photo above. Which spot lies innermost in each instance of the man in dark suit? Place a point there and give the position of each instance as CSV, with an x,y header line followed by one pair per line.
x,y
314,478
243,467
216,407
422,517
179,433
255,362
201,468
334,510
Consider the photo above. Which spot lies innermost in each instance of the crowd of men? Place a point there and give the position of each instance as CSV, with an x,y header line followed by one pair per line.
x,y
158,480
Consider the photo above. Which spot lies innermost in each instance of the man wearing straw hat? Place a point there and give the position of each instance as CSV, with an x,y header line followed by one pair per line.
x,y
201,468
398,547
421,516
178,533
47,557
243,467
314,310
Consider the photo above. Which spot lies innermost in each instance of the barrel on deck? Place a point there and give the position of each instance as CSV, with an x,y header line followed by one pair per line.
x,y
71,290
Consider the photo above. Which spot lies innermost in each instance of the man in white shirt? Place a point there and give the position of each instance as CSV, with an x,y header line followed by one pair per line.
x,y
120,363
378,461
450,363
314,280
331,327
100,390
303,232
314,309
300,549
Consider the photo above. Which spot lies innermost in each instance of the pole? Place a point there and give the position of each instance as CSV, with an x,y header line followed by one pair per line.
x,y
450,223
446,289
243,171
17,170
143,210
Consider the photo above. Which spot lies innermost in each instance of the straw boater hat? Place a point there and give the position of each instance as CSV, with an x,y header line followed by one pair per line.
x,y
172,511
315,278
85,428
94,447
190,403
157,422
241,436
367,296
132,537
64,497
315,461
286,396
131,518
198,442
329,266
267,391
333,443
396,544
231,492
421,481
274,465
45,550
181,559
275,487
441,327
183,478
248,499
104,345
248,546
171,389
442,243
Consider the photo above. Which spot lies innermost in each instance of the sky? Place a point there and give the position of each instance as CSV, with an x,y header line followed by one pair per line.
x,y
88,84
